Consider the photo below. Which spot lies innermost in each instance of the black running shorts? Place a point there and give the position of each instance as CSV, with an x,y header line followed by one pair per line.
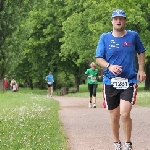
x,y
50,85
112,96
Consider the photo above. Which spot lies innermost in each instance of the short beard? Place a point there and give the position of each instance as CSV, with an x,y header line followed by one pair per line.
x,y
119,30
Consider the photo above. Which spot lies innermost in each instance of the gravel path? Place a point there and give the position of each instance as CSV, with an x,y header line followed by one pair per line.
x,y
89,129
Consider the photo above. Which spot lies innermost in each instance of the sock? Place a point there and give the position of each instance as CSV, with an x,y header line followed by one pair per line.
x,y
117,142
129,142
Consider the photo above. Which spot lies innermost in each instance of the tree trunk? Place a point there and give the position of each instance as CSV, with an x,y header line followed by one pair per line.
x,y
31,83
147,81
1,85
77,82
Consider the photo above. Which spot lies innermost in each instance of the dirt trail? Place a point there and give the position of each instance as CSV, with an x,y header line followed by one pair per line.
x,y
88,128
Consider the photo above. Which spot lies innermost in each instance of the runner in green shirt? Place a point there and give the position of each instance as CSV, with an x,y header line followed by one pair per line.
x,y
92,76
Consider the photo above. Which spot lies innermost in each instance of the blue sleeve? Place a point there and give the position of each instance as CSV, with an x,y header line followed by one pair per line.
x,y
100,47
139,47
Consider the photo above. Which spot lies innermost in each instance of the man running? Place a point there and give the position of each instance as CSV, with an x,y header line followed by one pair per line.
x,y
50,80
116,54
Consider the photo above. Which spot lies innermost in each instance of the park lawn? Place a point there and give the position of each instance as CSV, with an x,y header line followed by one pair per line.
x,y
30,121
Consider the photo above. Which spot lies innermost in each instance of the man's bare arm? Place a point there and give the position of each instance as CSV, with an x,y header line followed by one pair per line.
x,y
101,62
141,76
115,69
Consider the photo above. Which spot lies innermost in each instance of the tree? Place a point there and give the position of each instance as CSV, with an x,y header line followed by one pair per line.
x,y
91,18
74,48
61,35
9,19
11,15
42,31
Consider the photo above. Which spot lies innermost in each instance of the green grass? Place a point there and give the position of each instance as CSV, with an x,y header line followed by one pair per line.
x,y
30,121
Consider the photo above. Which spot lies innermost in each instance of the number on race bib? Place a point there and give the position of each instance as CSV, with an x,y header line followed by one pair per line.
x,y
120,83
93,79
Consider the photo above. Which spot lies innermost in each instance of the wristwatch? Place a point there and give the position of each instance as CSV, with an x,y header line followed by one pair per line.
x,y
108,64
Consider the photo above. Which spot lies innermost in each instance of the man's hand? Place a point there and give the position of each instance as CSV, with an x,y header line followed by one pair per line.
x,y
115,69
141,76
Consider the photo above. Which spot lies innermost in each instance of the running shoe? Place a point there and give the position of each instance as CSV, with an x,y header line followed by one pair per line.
x,y
128,146
90,105
117,146
94,105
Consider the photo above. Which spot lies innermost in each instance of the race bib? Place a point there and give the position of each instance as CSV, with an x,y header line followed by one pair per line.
x,y
93,79
120,83
49,82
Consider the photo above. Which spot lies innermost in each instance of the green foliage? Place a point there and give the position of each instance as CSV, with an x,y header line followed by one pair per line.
x,y
91,18
54,35
7,26
64,79
83,28
42,30
11,13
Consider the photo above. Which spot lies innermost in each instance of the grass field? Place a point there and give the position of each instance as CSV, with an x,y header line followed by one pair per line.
x,y
30,121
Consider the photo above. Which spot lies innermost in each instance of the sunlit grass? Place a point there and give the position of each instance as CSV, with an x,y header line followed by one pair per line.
x,y
143,98
30,122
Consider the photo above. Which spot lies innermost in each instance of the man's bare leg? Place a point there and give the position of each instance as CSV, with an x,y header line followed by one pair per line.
x,y
51,91
125,108
48,91
114,121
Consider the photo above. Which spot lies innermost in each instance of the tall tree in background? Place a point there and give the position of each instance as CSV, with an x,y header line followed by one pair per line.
x,y
9,20
37,41
83,28
61,35
76,46
43,44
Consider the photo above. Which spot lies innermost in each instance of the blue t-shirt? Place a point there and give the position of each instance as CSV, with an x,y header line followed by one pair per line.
x,y
120,51
50,79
